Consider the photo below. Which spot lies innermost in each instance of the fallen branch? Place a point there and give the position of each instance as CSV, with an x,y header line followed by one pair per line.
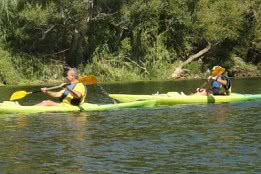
x,y
135,63
44,33
178,71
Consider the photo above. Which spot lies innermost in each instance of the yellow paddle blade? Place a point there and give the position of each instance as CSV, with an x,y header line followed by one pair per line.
x,y
18,95
88,80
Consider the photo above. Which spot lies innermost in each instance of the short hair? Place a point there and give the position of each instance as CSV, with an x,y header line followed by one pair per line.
x,y
74,71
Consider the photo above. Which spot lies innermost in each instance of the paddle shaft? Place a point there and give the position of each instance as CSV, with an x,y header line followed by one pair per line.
x,y
106,93
51,88
86,80
204,84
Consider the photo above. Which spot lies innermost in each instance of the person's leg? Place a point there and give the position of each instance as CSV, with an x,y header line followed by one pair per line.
x,y
209,92
47,103
201,92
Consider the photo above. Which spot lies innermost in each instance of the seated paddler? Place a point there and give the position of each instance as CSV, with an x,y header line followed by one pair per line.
x,y
74,92
220,84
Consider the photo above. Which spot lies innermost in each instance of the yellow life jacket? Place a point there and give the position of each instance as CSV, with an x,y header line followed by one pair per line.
x,y
68,98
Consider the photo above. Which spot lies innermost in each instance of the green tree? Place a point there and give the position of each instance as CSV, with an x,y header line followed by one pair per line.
x,y
215,22
145,37
51,28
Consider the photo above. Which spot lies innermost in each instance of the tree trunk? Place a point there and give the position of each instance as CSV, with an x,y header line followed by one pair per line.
x,y
75,57
178,71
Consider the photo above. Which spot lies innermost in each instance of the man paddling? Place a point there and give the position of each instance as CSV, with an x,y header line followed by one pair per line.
x,y
220,83
74,93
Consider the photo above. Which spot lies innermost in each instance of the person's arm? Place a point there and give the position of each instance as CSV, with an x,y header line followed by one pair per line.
x,y
51,93
219,80
75,94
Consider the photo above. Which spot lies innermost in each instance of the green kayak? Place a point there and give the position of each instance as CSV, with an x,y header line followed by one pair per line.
x,y
14,107
172,98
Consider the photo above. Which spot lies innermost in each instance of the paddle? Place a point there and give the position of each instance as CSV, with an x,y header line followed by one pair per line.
x,y
204,84
86,80
91,79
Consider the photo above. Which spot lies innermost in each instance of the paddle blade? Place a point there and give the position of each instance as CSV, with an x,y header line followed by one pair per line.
x,y
88,80
18,95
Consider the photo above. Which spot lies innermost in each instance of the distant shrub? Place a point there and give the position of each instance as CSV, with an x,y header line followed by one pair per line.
x,y
8,74
37,70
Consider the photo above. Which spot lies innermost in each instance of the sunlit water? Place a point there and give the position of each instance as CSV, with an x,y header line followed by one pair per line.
x,y
212,138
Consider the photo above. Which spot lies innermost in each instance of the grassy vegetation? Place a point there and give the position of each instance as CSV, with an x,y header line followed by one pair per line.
x,y
8,73
24,69
35,71
27,70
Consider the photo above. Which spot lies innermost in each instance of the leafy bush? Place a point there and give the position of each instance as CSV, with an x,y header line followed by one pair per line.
x,y
36,69
111,68
8,74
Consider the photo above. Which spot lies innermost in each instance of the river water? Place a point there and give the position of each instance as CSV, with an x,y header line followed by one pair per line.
x,y
211,138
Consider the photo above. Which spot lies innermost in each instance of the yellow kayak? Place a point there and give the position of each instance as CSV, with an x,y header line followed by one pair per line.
x,y
172,98
14,107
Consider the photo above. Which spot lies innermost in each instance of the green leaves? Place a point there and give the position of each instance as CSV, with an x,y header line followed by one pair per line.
x,y
150,33
220,20
8,74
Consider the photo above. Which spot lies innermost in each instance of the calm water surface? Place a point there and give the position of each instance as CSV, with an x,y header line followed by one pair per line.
x,y
213,138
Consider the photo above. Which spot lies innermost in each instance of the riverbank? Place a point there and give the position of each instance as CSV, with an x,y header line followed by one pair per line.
x,y
26,70
55,82
234,72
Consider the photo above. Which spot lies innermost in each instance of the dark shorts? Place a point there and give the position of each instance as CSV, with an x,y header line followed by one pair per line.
x,y
216,91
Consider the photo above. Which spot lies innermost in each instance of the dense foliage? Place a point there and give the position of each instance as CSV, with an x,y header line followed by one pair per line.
x,y
126,39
